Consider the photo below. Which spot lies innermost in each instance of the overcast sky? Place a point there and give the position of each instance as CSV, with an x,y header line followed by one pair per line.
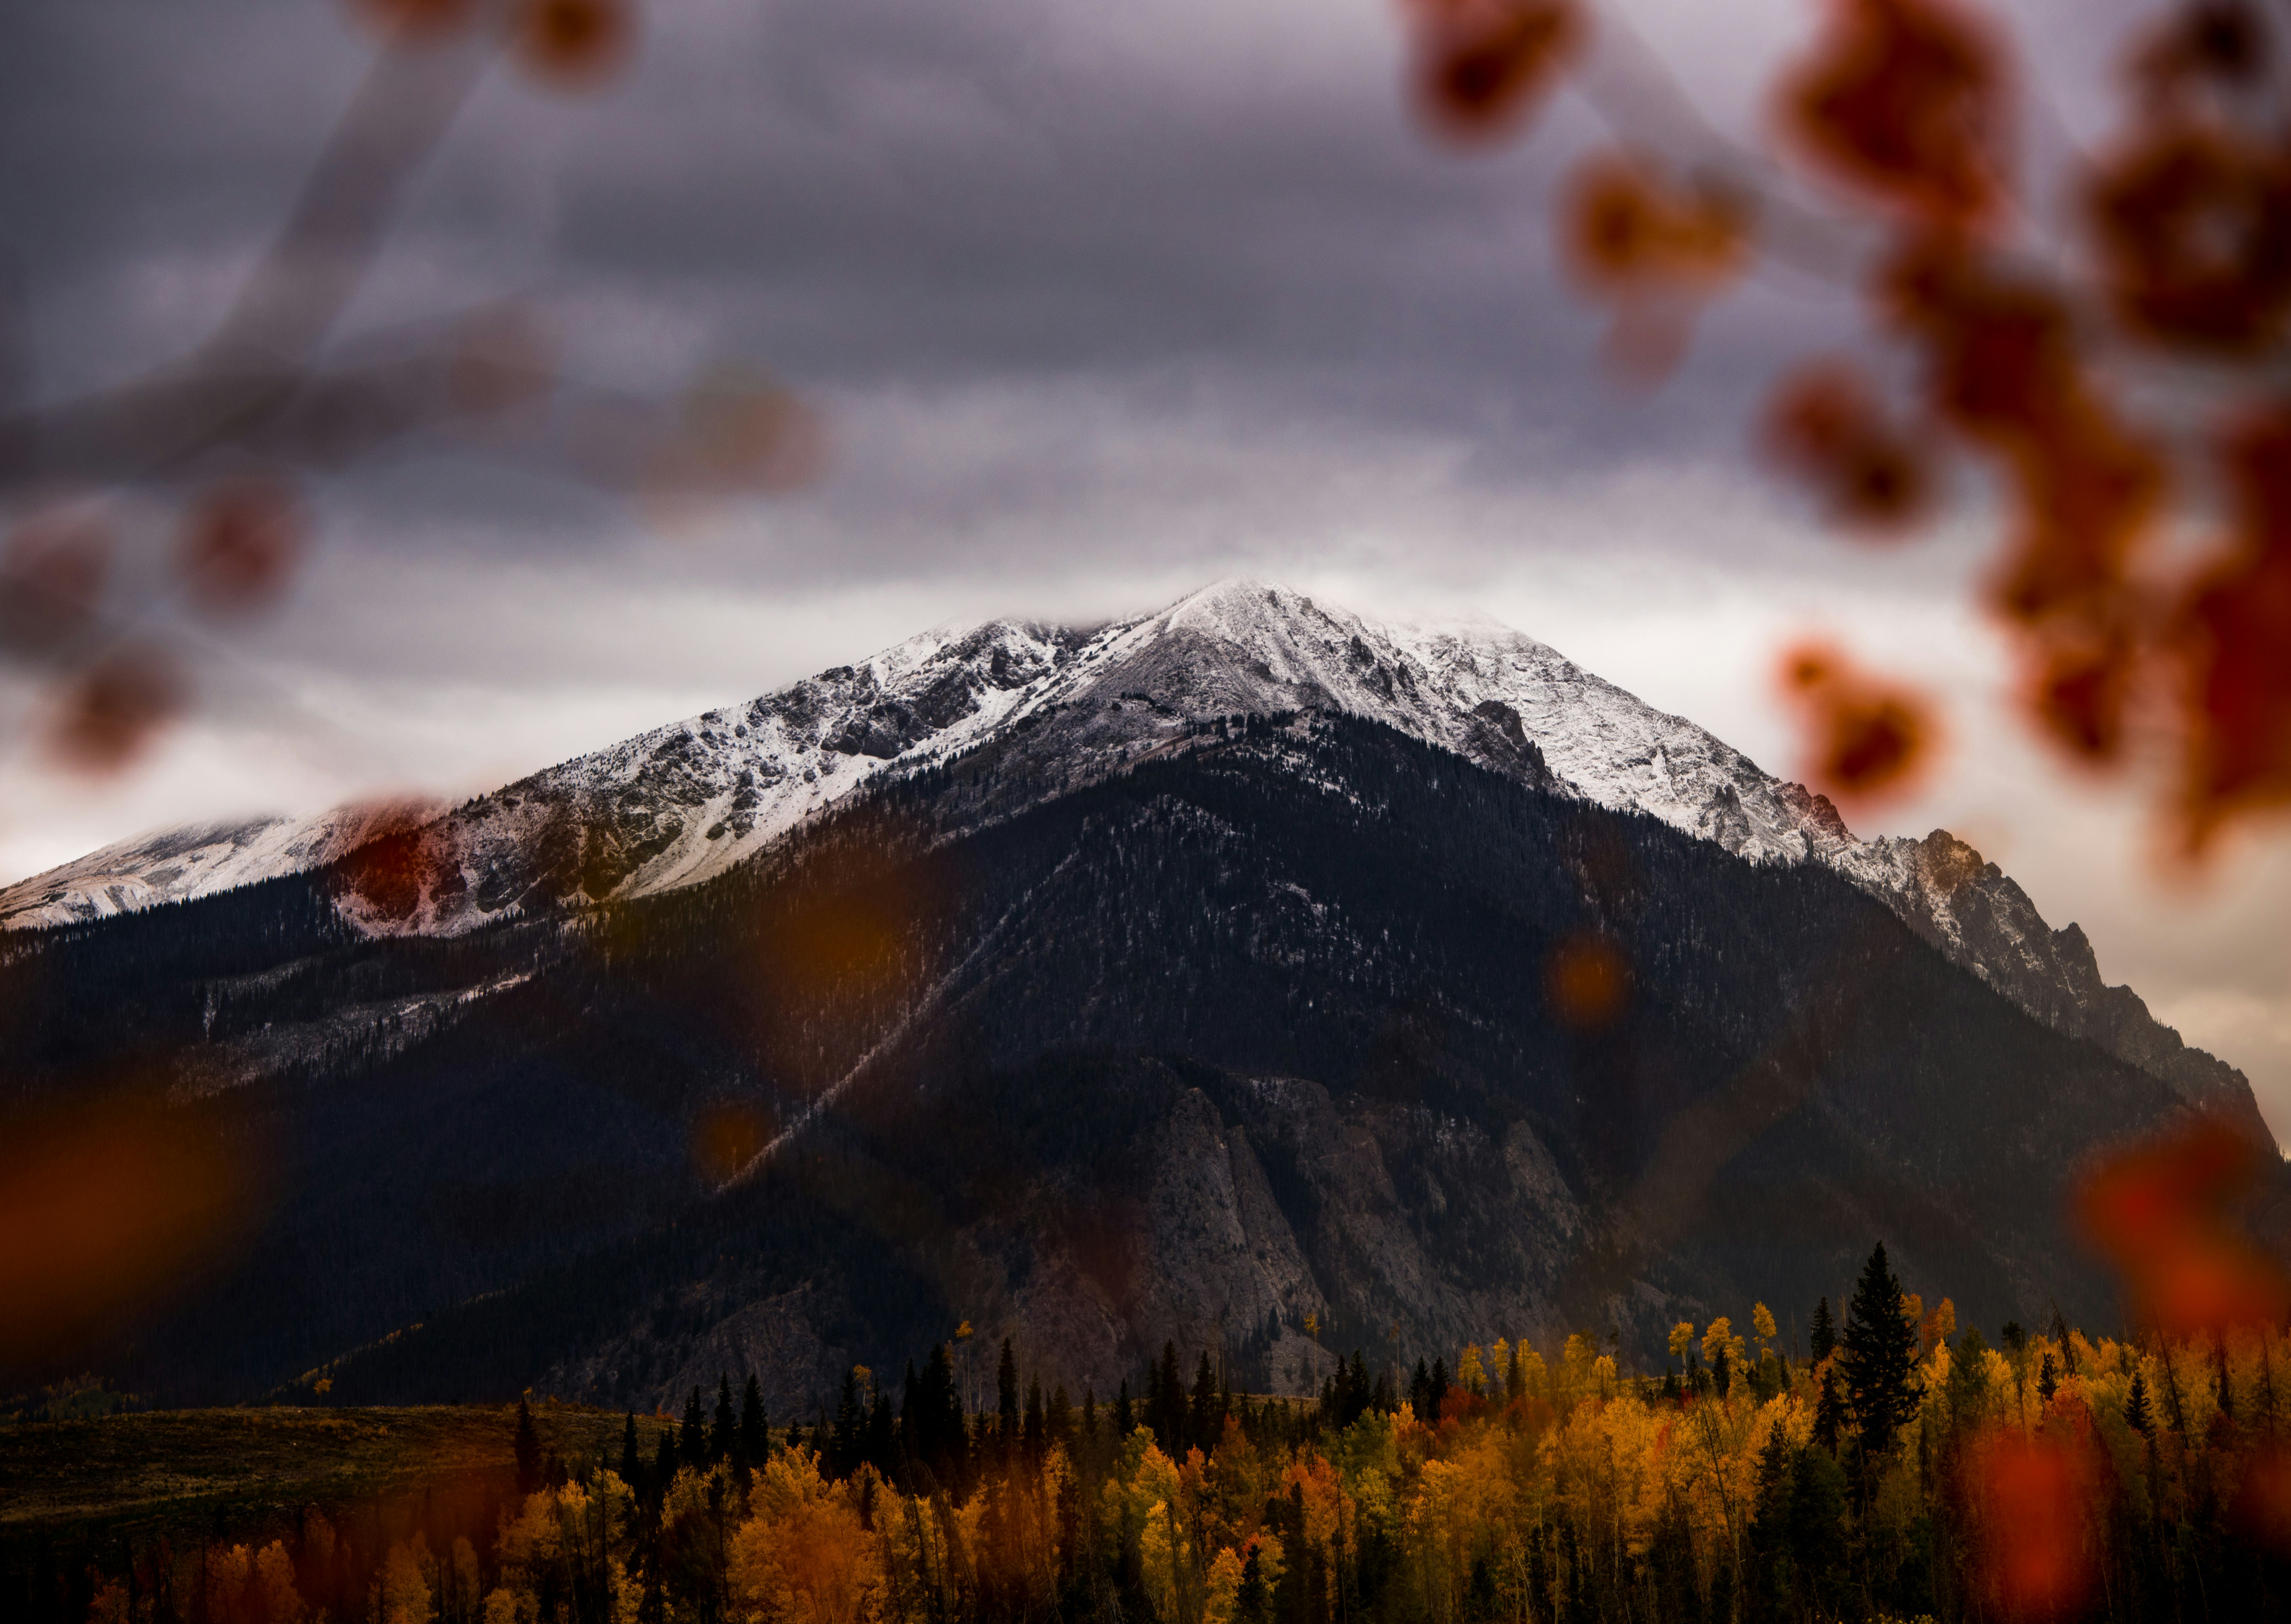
x,y
1101,302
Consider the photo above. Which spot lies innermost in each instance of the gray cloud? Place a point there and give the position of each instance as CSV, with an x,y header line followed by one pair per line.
x,y
1102,299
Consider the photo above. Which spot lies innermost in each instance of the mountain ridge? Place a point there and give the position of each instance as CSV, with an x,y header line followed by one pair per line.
x,y
683,803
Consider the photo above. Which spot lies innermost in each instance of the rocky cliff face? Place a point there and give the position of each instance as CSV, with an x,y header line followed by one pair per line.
x,y
686,803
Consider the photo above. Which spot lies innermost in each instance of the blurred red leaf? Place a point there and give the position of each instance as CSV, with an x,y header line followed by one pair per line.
x,y
2233,635
2163,1214
2032,1555
1866,740
1482,66
102,1207
240,543
1904,102
2194,232
1587,982
52,577
114,711
1826,426
573,44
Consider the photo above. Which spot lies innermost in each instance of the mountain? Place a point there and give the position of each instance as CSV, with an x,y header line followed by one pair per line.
x,y
689,802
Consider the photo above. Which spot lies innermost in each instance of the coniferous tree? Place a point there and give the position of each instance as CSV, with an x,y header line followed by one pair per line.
x,y
664,1462
631,1461
1420,1390
850,1417
529,1451
1822,1342
726,1438
882,1451
2049,1378
1005,1396
1168,1400
692,1438
2136,1414
1034,1440
1879,1362
1125,1416
1439,1389
2060,1335
1207,1417
755,1429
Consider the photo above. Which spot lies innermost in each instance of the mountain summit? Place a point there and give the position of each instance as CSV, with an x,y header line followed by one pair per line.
x,y
1215,975
687,802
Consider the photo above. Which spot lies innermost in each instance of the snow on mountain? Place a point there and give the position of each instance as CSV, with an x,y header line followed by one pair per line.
x,y
198,860
677,804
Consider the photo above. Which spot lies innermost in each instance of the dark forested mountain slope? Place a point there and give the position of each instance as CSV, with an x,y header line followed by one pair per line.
x,y
1277,1023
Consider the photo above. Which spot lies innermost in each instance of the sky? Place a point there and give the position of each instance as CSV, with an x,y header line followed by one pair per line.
x,y
1100,303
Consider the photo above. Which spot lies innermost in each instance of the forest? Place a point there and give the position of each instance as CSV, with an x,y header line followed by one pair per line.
x,y
1896,1467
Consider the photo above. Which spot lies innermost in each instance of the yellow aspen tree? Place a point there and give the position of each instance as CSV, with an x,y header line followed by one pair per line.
x,y
1469,1374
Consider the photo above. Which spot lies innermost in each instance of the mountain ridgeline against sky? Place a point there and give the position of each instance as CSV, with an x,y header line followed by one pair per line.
x,y
1219,972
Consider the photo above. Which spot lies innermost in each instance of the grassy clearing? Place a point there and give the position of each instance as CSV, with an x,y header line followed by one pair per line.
x,y
172,1471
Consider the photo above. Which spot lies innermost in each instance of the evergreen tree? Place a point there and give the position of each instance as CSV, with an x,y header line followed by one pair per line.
x,y
631,1462
1879,1362
882,1449
1253,1603
1125,1416
2137,1415
850,1416
2049,1378
1439,1389
1036,1443
1822,1342
529,1451
664,1463
726,1438
1420,1390
1168,1401
1207,1417
1006,1395
692,1439
755,1429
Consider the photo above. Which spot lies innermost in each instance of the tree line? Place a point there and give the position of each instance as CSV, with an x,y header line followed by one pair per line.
x,y
1902,1467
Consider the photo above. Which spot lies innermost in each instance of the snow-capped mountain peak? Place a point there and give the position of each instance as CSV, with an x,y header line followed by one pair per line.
x,y
677,804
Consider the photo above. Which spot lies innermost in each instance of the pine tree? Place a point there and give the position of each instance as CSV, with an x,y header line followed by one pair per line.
x,y
1420,1391
755,1430
726,1438
2135,1406
1822,1342
1830,1414
692,1439
1253,1602
850,1416
1006,1394
2060,1335
529,1451
631,1462
2048,1381
1206,1420
664,1463
1439,1389
1879,1362
1125,1413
